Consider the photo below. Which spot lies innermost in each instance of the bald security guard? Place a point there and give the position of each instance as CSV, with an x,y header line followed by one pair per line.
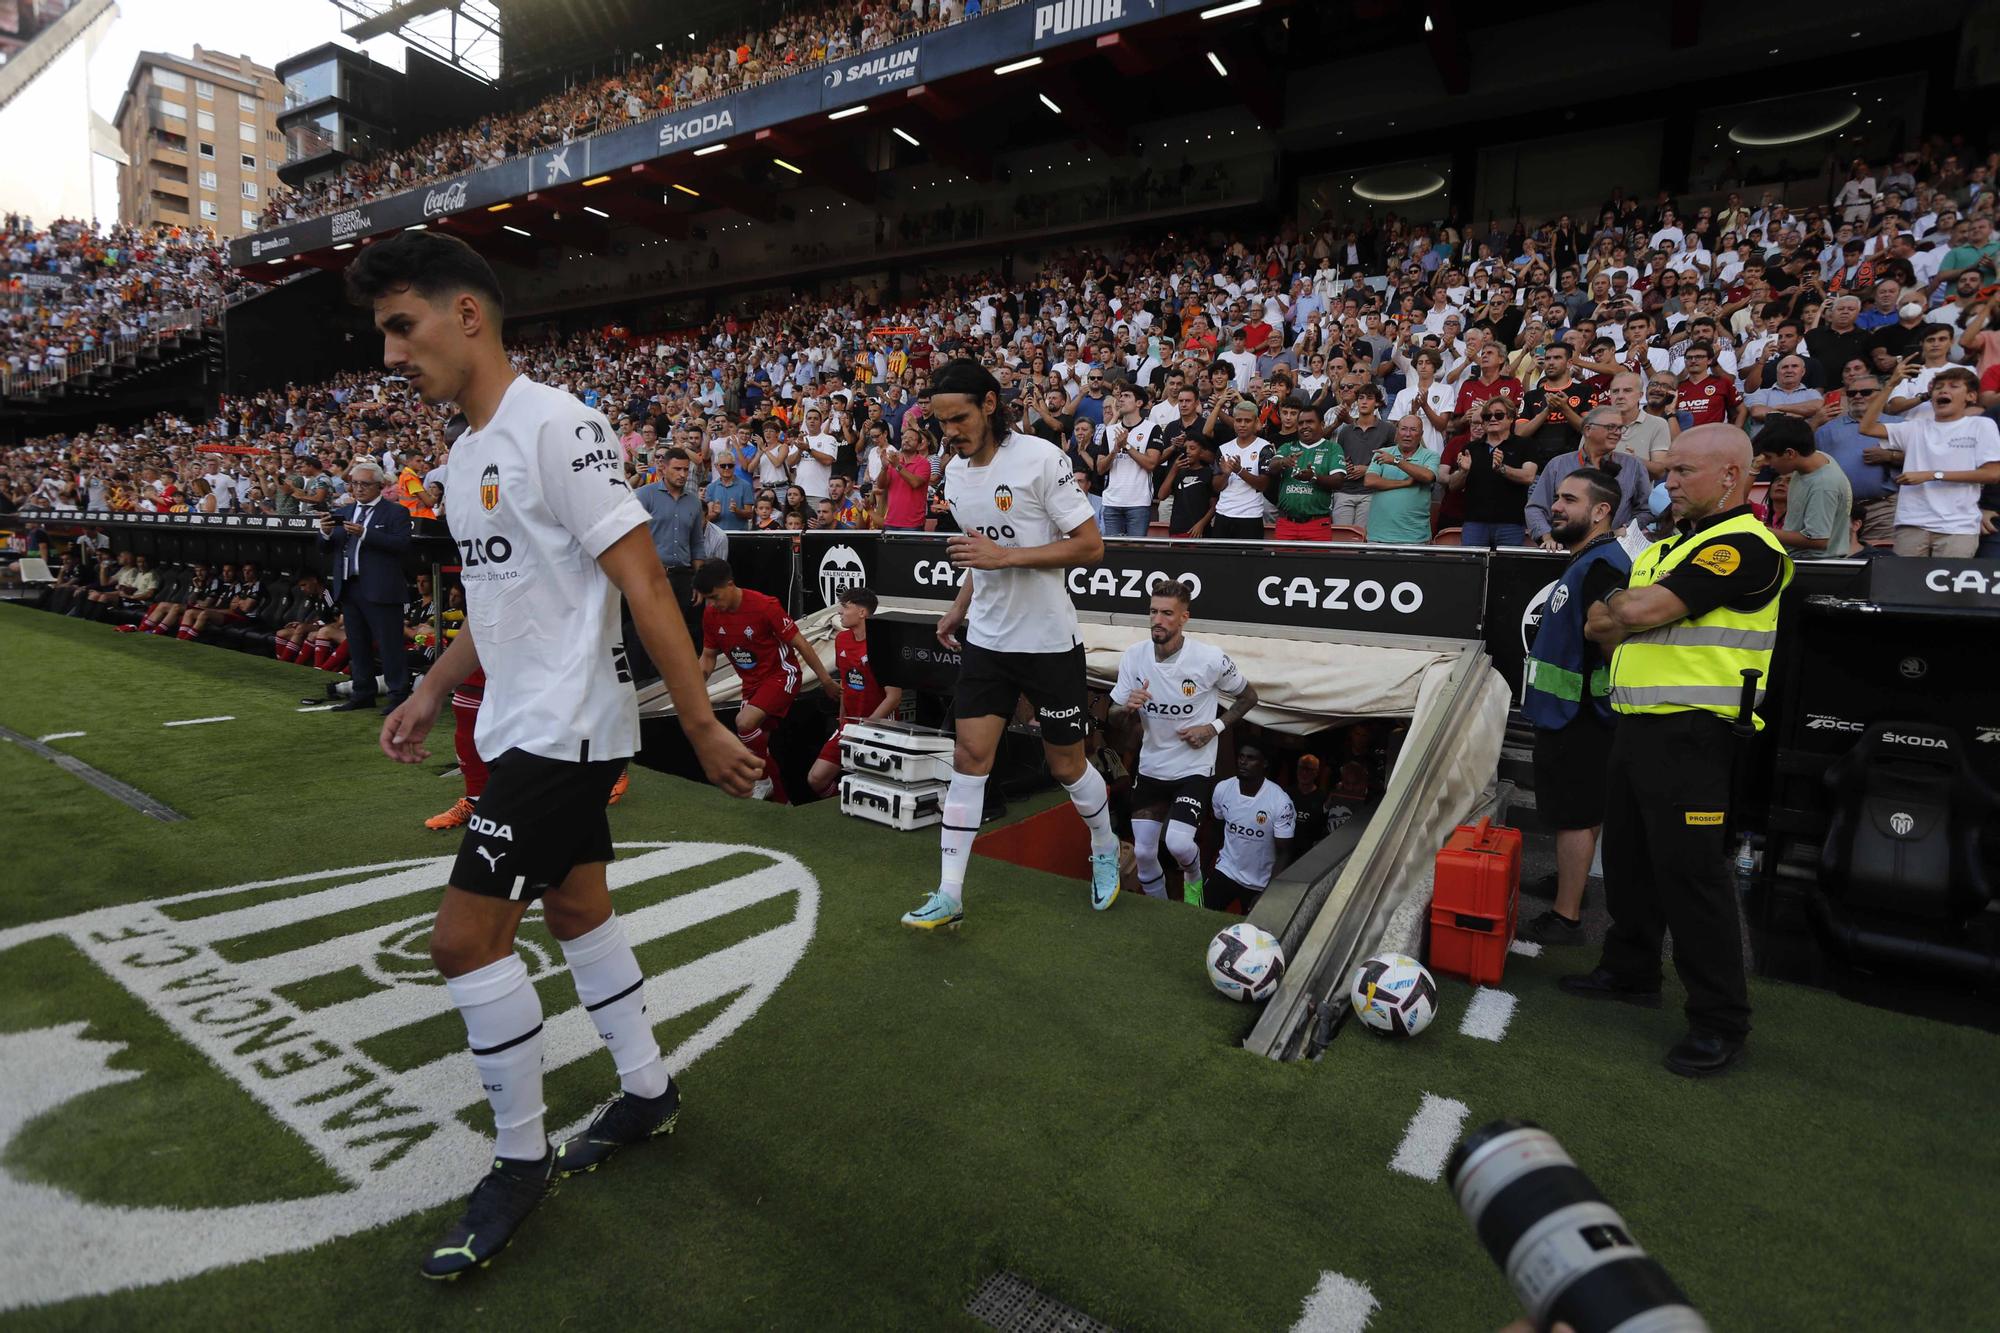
x,y
1700,608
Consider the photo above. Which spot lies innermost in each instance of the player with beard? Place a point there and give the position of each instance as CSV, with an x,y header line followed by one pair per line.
x,y
549,537
1023,522
1175,684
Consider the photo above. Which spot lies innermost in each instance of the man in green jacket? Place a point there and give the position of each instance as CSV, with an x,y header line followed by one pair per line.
x,y
1308,473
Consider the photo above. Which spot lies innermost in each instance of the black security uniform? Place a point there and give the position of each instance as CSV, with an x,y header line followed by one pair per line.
x,y
1676,690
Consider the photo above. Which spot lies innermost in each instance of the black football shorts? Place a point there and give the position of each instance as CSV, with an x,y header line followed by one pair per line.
x,y
1184,799
537,818
989,683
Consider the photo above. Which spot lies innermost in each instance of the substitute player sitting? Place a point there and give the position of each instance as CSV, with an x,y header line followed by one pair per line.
x,y
1022,522
1175,685
765,647
862,697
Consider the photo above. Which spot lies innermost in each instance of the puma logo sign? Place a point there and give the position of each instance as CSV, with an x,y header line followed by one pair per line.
x,y
492,858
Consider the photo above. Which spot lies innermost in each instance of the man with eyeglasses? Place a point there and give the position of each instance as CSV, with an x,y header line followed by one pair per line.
x,y
367,539
1602,429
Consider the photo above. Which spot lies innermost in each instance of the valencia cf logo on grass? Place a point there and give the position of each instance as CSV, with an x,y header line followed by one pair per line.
x,y
386,1129
489,488
1003,497
1187,688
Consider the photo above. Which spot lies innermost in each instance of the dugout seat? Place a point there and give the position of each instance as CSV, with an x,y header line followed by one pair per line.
x,y
1908,870
173,586
260,632
256,633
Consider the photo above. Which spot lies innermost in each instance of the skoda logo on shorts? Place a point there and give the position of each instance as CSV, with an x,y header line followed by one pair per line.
x,y
840,568
227,977
1913,668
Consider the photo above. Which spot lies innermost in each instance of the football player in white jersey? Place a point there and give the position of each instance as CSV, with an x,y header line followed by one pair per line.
x,y
1175,685
549,536
1022,522
1258,821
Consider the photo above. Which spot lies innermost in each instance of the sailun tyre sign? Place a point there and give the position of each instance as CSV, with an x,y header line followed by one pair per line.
x,y
393,1136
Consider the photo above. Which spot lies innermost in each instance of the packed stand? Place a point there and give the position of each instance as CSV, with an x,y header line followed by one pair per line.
x,y
1407,383
647,88
72,288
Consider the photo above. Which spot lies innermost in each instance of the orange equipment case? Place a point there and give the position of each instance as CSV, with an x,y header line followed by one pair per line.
x,y
1475,901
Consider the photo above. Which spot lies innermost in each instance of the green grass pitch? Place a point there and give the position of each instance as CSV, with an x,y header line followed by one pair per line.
x,y
1052,1091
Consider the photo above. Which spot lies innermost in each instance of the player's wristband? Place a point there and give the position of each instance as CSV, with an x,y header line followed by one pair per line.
x,y
1218,725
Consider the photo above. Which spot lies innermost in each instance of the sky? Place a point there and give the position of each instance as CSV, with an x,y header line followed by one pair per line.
x,y
265,30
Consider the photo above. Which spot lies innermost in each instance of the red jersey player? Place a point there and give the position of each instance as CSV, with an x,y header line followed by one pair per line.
x,y
754,632
862,697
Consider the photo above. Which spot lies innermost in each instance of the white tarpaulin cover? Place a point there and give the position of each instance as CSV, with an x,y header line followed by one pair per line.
x,y
1302,685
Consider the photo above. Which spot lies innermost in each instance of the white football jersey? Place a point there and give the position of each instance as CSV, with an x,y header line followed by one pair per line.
x,y
1181,691
1025,497
1129,484
533,499
1239,499
1250,826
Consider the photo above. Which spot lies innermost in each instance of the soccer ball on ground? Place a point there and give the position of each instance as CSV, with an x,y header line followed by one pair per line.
x,y
1393,994
1245,963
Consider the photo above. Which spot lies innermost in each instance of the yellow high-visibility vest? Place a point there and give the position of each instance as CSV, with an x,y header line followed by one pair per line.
x,y
1697,663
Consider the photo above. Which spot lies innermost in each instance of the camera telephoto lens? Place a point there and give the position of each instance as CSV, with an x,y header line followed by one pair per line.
x,y
1566,1252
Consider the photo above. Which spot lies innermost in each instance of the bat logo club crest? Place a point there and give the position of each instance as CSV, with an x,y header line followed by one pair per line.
x,y
1003,498
489,488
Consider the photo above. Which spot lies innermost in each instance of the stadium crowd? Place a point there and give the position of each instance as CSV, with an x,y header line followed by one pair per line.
x,y
1389,384
644,89
71,287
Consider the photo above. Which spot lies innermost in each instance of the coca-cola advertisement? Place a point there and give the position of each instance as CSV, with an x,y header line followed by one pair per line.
x,y
445,199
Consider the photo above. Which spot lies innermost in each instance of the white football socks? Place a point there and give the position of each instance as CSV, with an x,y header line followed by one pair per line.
x,y
503,1023
613,991
1181,845
964,804
1092,800
1146,850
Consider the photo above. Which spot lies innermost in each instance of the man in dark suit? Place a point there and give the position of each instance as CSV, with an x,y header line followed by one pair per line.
x,y
368,538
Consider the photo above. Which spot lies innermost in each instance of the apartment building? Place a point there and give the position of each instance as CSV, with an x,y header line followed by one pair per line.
x,y
202,137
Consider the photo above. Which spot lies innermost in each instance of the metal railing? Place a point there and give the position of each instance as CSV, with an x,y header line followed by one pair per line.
x,y
109,351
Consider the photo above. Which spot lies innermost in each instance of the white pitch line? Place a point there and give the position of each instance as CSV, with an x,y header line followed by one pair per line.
x,y
1526,948
318,708
59,736
1338,1304
1487,1016
197,721
1427,1142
